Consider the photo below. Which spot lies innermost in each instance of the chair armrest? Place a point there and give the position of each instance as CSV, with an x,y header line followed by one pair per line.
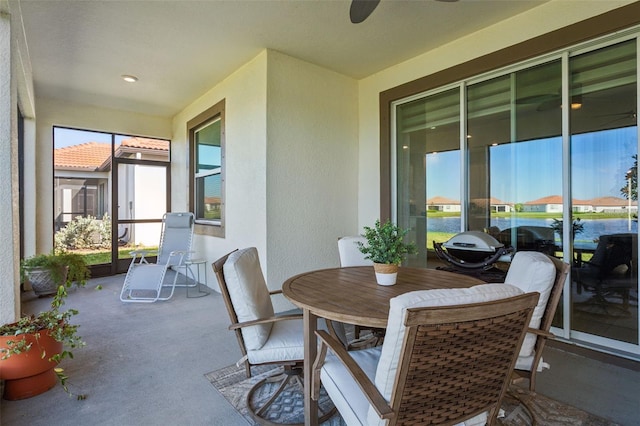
x,y
238,325
139,254
369,389
541,333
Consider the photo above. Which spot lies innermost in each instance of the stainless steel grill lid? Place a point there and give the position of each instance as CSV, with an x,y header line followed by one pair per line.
x,y
473,241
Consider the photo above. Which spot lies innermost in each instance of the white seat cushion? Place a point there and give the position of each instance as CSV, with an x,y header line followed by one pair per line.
x,y
525,362
392,346
343,389
285,343
532,271
249,294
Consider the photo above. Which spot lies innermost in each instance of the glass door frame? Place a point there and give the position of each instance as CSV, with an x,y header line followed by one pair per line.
x,y
121,265
603,344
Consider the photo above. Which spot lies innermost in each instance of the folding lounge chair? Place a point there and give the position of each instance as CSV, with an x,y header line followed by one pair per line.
x,y
145,281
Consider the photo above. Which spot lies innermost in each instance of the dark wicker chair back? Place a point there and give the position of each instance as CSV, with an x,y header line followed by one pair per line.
x,y
457,360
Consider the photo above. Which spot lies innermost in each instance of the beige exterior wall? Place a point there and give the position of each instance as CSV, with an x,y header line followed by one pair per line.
x,y
245,95
290,159
312,144
9,300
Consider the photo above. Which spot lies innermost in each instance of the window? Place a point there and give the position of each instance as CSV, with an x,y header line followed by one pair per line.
x,y
206,141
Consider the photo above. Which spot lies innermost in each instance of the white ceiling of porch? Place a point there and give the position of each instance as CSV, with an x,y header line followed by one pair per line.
x,y
181,48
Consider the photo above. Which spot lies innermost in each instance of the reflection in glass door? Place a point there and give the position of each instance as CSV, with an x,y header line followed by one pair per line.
x,y
604,152
428,165
520,154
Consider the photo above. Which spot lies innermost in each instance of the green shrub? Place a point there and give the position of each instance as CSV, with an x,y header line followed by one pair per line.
x,y
84,233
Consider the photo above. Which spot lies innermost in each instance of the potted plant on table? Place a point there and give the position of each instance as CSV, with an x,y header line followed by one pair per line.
x,y
386,248
32,347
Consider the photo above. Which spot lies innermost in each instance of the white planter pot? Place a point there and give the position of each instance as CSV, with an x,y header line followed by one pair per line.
x,y
386,274
386,279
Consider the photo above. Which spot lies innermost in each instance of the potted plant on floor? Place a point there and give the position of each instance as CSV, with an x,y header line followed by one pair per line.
x,y
32,347
386,248
46,272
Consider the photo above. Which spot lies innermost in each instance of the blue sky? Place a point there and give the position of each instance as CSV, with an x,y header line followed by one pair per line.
x,y
526,171
66,137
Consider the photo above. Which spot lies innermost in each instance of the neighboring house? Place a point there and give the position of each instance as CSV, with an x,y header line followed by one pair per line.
x,y
82,184
550,204
553,204
443,204
613,205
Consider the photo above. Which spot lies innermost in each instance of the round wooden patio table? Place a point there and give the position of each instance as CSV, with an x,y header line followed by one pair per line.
x,y
351,295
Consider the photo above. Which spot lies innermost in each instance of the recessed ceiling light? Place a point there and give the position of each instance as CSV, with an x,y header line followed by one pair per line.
x,y
129,78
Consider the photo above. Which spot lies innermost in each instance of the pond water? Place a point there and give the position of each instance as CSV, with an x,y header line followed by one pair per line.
x,y
593,228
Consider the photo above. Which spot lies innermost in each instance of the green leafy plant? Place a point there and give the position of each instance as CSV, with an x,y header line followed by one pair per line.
x,y
576,228
55,321
55,262
385,243
84,232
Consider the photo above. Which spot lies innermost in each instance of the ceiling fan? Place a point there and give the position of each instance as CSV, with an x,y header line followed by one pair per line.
x,y
361,9
621,117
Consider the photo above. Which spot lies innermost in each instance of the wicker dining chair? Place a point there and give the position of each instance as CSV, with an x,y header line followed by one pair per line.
x,y
447,358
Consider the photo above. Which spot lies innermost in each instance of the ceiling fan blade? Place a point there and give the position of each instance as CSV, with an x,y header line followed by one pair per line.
x,y
361,9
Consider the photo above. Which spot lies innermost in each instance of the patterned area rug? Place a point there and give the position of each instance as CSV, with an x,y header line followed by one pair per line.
x,y
519,405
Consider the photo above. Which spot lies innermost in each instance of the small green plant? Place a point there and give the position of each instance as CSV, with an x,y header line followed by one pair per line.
x,y
577,227
55,262
385,243
54,321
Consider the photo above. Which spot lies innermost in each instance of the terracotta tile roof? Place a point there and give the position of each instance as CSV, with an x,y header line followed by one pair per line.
x,y
611,201
146,143
441,200
85,156
93,155
492,201
551,199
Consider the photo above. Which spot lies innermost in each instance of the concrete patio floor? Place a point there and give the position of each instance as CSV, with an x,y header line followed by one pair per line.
x,y
144,364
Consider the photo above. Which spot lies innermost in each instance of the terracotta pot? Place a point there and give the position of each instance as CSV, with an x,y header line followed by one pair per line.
x,y
386,274
29,374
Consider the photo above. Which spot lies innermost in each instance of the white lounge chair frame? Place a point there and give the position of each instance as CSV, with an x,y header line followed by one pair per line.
x,y
145,281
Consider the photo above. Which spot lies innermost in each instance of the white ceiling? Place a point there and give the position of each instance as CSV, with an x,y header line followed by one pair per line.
x,y
181,48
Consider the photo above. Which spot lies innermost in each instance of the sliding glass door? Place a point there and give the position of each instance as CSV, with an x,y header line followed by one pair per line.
x,y
521,152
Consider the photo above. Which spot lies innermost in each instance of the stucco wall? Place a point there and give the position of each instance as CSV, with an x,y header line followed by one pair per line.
x,y
291,164
540,20
8,174
244,93
312,165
